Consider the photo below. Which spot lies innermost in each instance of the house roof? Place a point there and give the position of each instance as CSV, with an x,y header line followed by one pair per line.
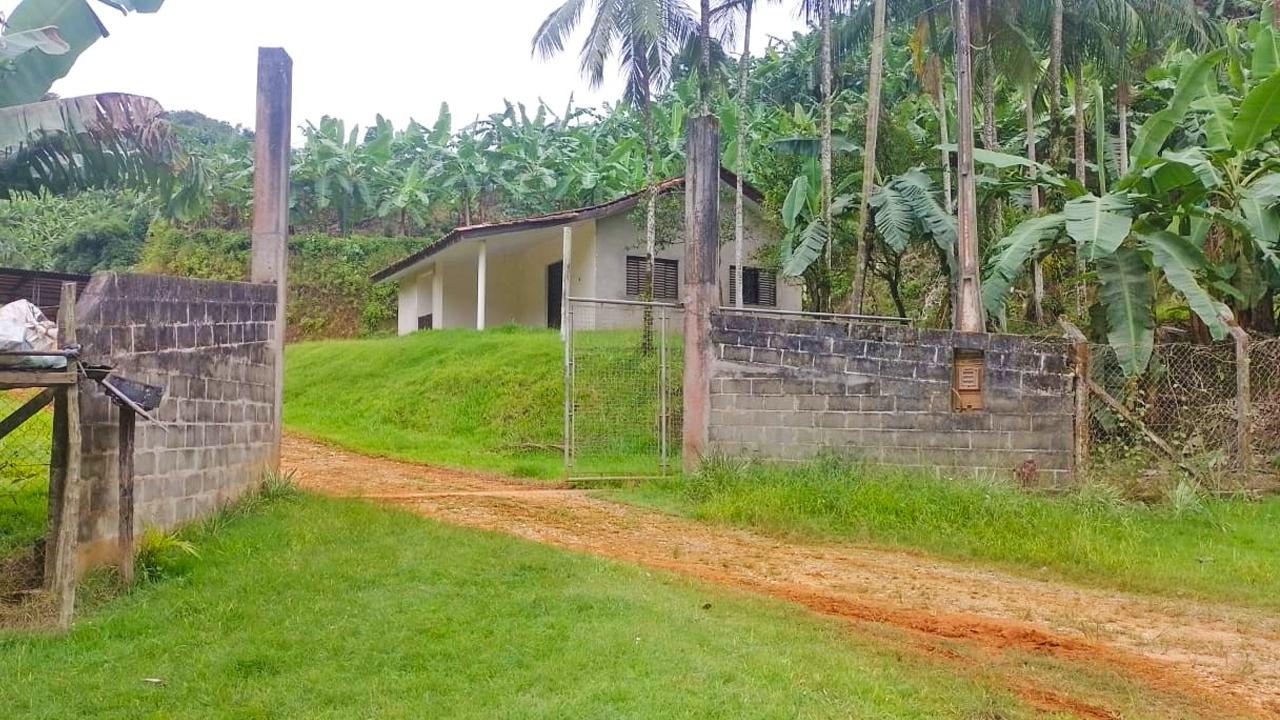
x,y
537,222
43,289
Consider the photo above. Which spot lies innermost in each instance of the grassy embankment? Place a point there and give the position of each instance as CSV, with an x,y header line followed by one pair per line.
x,y
319,608
490,400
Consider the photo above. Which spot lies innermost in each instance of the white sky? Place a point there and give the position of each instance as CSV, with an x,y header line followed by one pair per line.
x,y
352,60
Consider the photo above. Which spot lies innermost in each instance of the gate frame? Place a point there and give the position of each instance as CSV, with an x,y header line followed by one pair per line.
x,y
570,382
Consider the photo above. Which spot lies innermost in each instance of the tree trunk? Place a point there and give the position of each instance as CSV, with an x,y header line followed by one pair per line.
x,y
1037,270
704,33
744,102
827,70
943,135
1264,313
1122,118
1082,173
1081,176
941,101
990,135
969,314
1055,85
863,237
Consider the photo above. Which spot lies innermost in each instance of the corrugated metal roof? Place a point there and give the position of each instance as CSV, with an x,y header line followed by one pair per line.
x,y
43,289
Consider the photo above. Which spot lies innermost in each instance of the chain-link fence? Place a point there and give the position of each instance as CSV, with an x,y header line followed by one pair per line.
x,y
624,364
1264,384
24,484
1186,406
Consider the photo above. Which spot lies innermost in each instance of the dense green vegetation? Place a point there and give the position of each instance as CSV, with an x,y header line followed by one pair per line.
x,y
1185,545
331,609
1128,163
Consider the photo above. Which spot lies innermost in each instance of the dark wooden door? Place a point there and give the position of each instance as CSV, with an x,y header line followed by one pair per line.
x,y
555,289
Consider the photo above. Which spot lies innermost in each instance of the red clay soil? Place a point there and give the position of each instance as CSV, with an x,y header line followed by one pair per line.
x,y
1192,659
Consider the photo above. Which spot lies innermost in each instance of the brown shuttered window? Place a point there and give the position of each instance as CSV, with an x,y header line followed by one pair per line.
x,y
761,287
666,277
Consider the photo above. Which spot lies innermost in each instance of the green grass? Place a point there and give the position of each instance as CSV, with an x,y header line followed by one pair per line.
x,y
319,608
1189,545
24,477
489,400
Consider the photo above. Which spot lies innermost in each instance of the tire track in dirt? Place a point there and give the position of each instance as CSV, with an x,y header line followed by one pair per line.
x,y
1204,660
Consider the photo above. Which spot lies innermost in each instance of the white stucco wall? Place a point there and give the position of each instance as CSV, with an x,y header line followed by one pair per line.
x,y
619,237
516,275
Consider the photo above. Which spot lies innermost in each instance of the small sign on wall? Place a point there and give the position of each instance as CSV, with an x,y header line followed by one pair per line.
x,y
967,381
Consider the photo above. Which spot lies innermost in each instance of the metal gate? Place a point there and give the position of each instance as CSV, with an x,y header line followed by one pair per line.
x,y
623,366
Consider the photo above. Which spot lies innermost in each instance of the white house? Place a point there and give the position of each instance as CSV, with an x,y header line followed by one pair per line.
x,y
511,273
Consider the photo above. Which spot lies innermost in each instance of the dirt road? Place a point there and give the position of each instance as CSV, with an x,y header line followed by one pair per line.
x,y
1190,659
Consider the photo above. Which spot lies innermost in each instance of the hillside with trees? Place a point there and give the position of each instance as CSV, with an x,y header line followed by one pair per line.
x,y
1128,166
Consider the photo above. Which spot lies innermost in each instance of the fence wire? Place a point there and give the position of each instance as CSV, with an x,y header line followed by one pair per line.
x,y
1264,384
1188,398
624,373
24,476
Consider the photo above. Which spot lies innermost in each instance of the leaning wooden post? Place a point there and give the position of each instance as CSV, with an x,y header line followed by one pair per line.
x,y
701,253
64,476
125,428
1244,399
1080,357
271,204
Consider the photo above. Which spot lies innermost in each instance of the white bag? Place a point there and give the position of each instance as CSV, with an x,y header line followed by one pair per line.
x,y
24,328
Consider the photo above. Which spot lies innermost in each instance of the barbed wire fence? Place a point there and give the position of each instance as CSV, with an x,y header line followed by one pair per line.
x,y
623,375
1187,406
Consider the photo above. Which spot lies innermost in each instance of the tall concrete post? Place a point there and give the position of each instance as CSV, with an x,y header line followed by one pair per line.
x,y
701,256
271,201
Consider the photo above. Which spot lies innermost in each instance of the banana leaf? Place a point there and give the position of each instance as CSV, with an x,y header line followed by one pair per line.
x,y
1179,260
33,73
1098,225
1127,294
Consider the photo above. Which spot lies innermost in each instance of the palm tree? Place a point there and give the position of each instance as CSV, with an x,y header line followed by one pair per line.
x,y
824,10
747,7
869,152
644,36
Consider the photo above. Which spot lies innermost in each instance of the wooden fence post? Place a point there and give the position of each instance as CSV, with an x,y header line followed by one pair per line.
x,y
1244,411
64,476
125,463
1080,357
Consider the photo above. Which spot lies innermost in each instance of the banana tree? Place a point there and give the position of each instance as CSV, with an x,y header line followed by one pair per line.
x,y
1155,223
906,212
76,142
808,233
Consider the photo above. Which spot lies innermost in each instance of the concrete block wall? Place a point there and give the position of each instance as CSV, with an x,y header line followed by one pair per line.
x,y
790,389
209,345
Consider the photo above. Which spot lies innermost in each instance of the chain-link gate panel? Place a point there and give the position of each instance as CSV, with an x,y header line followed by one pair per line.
x,y
26,432
624,363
